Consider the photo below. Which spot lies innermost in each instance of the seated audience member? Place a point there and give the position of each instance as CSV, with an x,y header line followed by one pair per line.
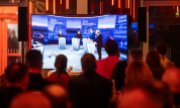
x,y
89,90
60,76
146,95
34,62
161,49
17,81
172,78
153,61
137,72
57,96
32,99
105,66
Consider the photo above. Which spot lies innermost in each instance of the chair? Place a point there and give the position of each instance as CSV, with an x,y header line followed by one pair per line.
x,y
62,42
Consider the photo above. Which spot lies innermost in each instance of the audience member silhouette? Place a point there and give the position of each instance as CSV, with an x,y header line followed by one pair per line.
x,y
34,62
172,78
146,95
89,90
161,49
135,55
60,76
154,63
137,72
57,95
105,66
31,99
119,74
120,68
17,78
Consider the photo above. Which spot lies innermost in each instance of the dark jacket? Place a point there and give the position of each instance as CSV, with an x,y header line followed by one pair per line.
x,y
37,82
7,95
90,92
99,41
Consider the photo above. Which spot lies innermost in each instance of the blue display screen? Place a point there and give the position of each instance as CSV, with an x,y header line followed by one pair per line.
x,y
47,28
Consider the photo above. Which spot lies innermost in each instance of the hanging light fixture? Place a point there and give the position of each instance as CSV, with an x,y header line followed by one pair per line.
x,y
177,11
47,5
112,2
119,3
54,6
67,4
61,2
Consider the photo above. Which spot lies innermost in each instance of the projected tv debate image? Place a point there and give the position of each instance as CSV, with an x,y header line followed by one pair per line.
x,y
75,36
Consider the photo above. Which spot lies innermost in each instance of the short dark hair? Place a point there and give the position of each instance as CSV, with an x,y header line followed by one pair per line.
x,y
111,47
161,48
34,58
16,72
61,62
88,62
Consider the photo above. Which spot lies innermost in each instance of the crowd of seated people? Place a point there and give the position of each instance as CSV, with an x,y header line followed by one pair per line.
x,y
137,83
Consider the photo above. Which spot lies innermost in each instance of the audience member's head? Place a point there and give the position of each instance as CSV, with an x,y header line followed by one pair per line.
x,y
88,62
111,48
137,72
153,59
172,78
34,59
146,95
135,55
161,48
57,95
31,100
17,75
61,63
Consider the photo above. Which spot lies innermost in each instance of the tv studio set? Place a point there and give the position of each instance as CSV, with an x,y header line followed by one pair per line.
x,y
54,35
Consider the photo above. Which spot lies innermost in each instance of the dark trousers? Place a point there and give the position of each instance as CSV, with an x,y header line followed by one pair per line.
x,y
99,52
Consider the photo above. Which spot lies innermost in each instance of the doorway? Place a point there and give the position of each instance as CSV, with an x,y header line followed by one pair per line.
x,y
9,45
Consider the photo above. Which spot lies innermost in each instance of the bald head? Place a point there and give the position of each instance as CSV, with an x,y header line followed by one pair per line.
x,y
137,98
172,78
57,96
31,100
146,95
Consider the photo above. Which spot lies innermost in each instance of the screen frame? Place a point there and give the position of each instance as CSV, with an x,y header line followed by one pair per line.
x,y
82,15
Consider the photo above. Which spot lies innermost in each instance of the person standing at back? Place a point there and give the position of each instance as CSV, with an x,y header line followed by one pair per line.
x,y
105,66
34,62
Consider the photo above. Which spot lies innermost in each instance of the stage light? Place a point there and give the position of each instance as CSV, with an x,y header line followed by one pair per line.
x,y
177,11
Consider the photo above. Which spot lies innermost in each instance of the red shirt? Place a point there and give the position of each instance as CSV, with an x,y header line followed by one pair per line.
x,y
105,66
62,79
